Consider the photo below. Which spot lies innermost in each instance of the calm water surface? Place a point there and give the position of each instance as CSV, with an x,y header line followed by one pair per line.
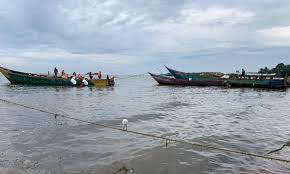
x,y
242,119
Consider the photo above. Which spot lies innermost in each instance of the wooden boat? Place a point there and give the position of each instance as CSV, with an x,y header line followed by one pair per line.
x,y
195,76
257,81
164,80
16,77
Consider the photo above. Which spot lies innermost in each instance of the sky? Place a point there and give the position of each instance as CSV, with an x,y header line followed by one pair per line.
x,y
134,37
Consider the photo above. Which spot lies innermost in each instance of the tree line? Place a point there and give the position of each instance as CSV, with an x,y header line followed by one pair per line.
x,y
281,70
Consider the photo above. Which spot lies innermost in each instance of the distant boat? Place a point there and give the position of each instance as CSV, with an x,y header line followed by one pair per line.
x,y
253,80
195,76
164,80
257,81
16,77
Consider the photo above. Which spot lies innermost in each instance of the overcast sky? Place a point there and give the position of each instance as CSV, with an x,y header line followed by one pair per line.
x,y
136,36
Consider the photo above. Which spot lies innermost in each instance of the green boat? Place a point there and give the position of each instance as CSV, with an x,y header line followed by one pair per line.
x,y
234,80
256,81
195,76
16,77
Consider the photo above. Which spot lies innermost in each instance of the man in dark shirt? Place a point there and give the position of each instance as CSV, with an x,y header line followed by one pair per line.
x,y
91,76
243,72
55,71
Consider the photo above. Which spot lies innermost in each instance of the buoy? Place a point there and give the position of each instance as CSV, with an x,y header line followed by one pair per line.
x,y
125,124
85,82
73,81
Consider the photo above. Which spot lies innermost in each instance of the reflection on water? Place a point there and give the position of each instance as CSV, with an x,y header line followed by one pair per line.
x,y
242,119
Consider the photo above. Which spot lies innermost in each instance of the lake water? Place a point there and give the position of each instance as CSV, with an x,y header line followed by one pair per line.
x,y
251,120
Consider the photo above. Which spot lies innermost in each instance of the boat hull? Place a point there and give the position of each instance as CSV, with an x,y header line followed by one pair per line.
x,y
102,82
163,80
261,83
16,77
195,76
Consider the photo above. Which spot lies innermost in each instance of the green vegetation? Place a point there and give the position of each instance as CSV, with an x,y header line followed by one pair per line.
x,y
281,70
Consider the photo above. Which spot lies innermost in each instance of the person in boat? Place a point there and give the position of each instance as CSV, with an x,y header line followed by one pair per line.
x,y
62,73
243,72
80,77
55,71
74,74
99,75
91,75
108,77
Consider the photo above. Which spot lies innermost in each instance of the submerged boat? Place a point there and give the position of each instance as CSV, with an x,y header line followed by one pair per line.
x,y
16,77
195,76
257,81
164,80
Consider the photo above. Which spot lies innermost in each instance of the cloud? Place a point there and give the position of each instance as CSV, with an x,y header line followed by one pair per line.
x,y
277,32
194,24
276,35
215,15
115,35
60,55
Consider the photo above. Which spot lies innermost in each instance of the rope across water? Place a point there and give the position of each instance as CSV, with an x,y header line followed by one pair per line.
x,y
152,135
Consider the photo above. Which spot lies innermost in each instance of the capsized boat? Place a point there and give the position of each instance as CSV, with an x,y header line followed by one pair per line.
x,y
195,76
164,80
257,81
16,77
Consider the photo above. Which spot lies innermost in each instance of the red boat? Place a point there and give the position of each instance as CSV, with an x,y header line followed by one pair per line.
x,y
164,80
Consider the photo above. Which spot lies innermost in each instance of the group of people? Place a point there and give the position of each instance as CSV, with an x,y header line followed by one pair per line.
x,y
99,75
79,76
63,74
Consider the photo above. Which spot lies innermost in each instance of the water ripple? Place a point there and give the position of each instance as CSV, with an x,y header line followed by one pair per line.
x,y
242,119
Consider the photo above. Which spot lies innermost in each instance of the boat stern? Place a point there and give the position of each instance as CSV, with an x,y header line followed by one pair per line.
x,y
103,82
278,83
